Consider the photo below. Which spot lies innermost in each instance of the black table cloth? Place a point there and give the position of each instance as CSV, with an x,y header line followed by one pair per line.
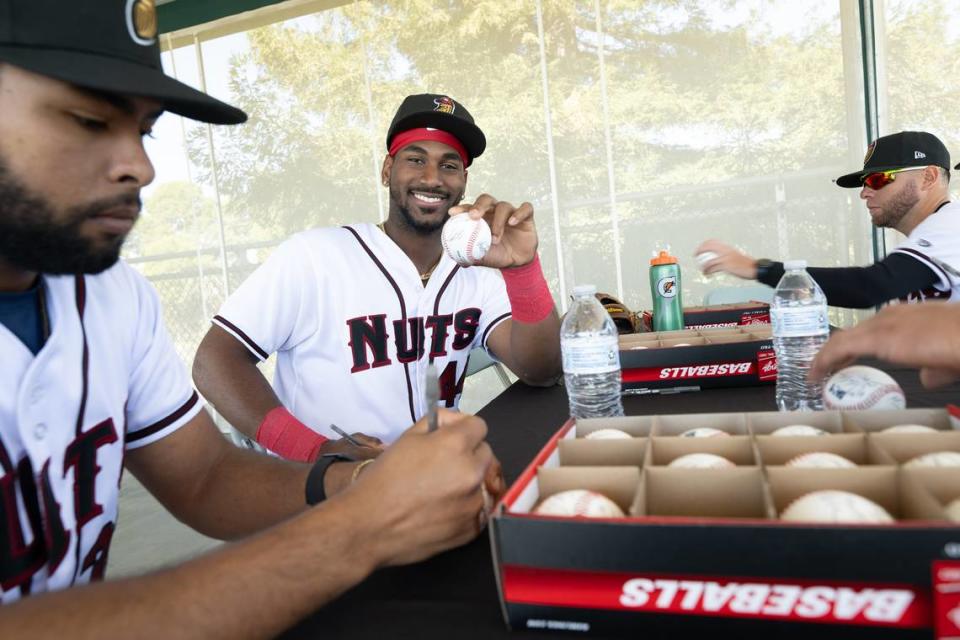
x,y
454,595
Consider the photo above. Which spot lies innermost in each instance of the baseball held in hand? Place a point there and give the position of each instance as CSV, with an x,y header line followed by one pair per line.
x,y
859,387
465,240
703,258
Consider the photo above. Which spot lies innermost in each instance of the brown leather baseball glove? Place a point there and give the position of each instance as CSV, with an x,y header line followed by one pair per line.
x,y
625,319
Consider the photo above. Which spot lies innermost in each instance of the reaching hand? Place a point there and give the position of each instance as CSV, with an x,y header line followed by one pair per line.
x,y
514,234
918,335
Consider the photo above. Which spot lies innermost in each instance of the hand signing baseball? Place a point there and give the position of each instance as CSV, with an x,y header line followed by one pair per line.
x,y
514,234
727,260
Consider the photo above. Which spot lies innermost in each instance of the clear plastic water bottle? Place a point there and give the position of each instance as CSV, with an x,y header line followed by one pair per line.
x,y
798,314
591,357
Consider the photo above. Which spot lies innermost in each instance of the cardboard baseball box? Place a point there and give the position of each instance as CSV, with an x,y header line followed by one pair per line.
x,y
698,358
702,552
720,315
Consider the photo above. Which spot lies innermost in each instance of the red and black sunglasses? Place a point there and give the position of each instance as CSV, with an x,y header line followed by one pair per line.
x,y
880,179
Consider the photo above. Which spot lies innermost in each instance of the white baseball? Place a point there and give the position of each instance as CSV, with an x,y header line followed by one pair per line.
x,y
935,459
579,503
703,258
835,506
703,432
608,434
701,461
909,428
819,460
465,240
799,430
861,387
953,510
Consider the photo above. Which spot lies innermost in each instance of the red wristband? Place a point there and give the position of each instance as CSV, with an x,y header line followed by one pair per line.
x,y
530,299
283,434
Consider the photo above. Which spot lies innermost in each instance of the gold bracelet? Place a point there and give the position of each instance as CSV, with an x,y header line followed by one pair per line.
x,y
358,469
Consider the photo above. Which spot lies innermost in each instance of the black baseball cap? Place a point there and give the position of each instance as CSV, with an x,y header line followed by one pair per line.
x,y
103,45
899,151
438,112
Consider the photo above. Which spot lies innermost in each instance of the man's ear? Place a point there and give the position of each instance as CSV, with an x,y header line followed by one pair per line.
x,y
385,170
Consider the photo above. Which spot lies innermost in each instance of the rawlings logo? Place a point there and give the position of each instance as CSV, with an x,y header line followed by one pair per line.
x,y
767,600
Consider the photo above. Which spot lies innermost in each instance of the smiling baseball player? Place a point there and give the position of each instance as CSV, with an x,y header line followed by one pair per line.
x,y
90,383
356,313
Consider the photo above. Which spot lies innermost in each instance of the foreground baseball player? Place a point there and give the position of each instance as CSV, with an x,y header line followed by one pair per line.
x,y
905,182
91,383
357,313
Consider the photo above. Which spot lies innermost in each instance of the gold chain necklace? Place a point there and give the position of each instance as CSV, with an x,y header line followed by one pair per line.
x,y
424,277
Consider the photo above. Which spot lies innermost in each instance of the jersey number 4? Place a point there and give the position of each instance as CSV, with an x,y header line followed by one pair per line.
x,y
450,386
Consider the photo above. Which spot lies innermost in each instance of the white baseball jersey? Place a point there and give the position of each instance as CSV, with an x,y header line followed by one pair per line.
x,y
107,380
936,243
354,327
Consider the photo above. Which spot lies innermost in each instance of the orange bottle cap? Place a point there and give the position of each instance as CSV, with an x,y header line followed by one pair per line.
x,y
663,258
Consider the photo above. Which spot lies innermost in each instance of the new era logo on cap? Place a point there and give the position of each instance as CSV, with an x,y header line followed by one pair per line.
x,y
142,21
899,151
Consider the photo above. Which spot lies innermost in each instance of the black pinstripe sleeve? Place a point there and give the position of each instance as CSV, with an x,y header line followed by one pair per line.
x,y
863,287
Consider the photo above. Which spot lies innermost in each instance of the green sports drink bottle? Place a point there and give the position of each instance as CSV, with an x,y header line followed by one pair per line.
x,y
665,290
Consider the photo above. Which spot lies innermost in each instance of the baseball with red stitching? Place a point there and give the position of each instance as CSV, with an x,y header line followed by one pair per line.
x,y
466,240
579,503
860,388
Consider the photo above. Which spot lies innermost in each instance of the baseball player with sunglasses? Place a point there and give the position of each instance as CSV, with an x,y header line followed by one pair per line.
x,y
905,183
91,385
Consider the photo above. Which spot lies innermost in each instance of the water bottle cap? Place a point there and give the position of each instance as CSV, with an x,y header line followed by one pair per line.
x,y
793,265
663,257
584,290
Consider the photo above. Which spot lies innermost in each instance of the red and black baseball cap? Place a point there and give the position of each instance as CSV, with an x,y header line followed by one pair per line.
x,y
104,45
442,113
899,151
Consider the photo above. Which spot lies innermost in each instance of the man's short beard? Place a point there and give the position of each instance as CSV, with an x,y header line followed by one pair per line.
x,y
899,206
424,228
32,239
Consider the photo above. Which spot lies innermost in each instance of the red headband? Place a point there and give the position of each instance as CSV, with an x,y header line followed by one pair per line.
x,y
410,136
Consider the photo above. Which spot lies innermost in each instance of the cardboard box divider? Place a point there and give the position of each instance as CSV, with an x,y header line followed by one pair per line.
x,y
579,452
875,421
903,447
943,483
736,449
620,484
775,451
766,422
673,425
638,426
710,493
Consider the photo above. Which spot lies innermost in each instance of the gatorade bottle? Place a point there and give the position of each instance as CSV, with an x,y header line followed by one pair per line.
x,y
665,290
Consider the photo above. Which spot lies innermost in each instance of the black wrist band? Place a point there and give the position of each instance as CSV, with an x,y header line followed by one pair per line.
x,y
763,268
314,489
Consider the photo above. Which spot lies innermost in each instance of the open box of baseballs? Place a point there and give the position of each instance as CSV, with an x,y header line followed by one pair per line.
x,y
703,358
836,523
717,316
